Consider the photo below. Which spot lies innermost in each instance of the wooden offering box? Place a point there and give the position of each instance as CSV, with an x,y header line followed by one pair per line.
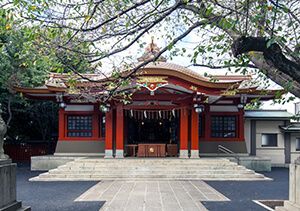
x,y
152,150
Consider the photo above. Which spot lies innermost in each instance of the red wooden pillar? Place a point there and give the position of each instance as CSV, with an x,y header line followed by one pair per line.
x,y
119,132
184,124
109,134
194,134
61,124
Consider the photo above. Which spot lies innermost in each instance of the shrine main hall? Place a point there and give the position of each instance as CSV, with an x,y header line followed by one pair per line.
x,y
173,112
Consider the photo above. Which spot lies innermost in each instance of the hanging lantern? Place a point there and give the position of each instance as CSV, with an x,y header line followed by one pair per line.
x,y
198,108
63,105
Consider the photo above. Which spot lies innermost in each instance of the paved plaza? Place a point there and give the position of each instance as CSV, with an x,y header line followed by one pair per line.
x,y
150,195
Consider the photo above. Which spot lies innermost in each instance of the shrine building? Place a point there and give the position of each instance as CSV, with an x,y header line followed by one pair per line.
x,y
174,111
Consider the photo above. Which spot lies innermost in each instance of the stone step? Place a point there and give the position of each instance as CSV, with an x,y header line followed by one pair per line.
x,y
141,160
150,172
291,206
171,176
159,167
157,158
141,169
149,164
66,169
37,179
280,209
136,161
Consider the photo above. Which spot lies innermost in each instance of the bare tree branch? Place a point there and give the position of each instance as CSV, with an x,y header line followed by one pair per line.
x,y
222,66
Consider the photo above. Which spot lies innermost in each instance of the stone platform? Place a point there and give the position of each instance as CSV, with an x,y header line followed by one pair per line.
x,y
96,169
255,163
48,162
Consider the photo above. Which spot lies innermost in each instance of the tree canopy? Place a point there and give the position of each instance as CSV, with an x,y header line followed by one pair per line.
x,y
26,60
262,34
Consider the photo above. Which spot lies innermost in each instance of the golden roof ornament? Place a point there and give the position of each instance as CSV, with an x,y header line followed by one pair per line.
x,y
150,52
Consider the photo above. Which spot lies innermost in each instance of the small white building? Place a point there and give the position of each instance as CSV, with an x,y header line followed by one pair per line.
x,y
270,133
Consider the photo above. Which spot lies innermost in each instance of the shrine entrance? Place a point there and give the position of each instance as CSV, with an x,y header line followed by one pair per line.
x,y
152,133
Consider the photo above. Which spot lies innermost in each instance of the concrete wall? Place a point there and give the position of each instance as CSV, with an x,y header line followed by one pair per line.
x,y
222,108
80,147
212,146
294,154
79,108
276,154
47,162
247,129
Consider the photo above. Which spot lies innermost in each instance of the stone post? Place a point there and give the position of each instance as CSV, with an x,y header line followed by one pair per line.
x,y
293,203
8,193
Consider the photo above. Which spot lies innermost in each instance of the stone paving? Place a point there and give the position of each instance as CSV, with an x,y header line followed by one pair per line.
x,y
152,195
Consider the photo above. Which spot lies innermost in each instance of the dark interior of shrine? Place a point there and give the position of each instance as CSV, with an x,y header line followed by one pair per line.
x,y
155,130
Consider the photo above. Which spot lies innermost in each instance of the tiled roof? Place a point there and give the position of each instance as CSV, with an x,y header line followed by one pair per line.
x,y
294,127
268,114
58,79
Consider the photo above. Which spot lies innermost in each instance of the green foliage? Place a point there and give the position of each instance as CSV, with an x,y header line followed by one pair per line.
x,y
255,104
26,60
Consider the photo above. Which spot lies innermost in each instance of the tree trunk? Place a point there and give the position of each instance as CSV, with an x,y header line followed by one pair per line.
x,y
273,55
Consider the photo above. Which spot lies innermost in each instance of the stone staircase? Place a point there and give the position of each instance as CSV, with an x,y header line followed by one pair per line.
x,y
95,169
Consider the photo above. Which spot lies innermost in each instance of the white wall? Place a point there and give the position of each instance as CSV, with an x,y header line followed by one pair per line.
x,y
294,154
275,153
222,108
79,108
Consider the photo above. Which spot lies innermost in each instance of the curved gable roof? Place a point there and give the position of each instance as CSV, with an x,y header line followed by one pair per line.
x,y
175,70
